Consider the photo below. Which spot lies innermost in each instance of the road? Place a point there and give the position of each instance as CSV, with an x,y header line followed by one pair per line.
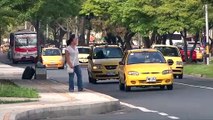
x,y
191,99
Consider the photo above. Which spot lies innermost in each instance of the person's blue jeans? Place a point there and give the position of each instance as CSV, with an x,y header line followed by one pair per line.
x,y
77,71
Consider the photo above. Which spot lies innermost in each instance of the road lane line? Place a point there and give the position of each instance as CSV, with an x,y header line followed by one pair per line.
x,y
143,109
195,86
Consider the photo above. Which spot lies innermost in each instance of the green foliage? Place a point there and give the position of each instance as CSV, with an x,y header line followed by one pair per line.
x,y
175,15
144,16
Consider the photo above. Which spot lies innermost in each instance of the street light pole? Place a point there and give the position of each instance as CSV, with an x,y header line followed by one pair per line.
x,y
207,34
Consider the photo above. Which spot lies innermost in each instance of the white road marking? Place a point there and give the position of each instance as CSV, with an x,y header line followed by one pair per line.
x,y
173,117
195,86
143,109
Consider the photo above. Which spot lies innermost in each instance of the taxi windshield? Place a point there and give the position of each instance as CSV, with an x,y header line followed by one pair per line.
x,y
107,52
169,51
145,57
51,52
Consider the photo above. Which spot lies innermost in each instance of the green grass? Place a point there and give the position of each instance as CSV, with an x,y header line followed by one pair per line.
x,y
202,69
9,89
17,101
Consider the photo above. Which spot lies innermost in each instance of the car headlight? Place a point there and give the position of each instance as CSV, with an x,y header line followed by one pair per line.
x,y
97,67
61,59
133,73
167,72
179,63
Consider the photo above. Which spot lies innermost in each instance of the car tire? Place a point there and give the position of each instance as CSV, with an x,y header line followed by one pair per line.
x,y
92,80
180,76
170,87
14,62
127,88
162,87
121,86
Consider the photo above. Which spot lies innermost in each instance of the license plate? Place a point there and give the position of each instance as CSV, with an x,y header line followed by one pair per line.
x,y
151,79
110,73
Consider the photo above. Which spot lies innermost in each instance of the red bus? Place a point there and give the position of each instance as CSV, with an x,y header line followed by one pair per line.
x,y
23,46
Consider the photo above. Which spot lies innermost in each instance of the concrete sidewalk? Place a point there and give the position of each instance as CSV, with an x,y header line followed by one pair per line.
x,y
56,101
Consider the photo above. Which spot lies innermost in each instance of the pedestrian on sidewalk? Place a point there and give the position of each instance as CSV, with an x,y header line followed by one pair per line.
x,y
73,67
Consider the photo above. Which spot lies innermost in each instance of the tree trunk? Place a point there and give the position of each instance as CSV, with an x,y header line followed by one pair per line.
x,y
82,32
0,36
127,38
146,42
184,35
153,37
120,41
196,40
163,39
60,37
170,38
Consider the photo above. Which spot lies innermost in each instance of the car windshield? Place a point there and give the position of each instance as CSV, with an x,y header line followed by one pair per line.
x,y
169,51
107,52
51,52
83,50
145,57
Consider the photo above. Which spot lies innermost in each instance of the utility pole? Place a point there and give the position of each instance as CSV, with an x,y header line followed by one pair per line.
x,y
25,25
207,34
47,32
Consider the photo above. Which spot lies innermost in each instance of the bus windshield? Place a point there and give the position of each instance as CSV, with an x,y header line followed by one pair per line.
x,y
25,40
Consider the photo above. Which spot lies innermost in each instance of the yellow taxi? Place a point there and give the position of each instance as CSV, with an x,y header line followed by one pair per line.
x,y
83,54
52,58
172,52
199,54
145,68
103,62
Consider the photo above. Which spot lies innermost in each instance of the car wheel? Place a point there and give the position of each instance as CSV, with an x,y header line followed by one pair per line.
x,y
121,86
170,87
162,87
91,80
127,88
180,76
15,62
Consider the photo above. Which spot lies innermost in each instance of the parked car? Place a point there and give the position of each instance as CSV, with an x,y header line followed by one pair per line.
x,y
145,68
52,58
103,62
83,54
194,54
172,52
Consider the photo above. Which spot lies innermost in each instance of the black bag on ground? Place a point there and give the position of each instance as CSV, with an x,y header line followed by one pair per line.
x,y
28,73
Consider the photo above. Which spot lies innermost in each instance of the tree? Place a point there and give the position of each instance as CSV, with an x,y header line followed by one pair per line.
x,y
7,18
45,11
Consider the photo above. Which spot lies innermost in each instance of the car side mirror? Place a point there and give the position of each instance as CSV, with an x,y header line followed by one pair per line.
x,y
89,57
170,61
121,63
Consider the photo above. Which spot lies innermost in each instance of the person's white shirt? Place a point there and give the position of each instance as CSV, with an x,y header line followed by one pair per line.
x,y
73,55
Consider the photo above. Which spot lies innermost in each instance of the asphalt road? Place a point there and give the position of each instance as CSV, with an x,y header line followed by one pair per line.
x,y
191,99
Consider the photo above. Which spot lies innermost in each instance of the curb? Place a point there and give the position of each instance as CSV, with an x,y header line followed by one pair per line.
x,y
71,110
198,76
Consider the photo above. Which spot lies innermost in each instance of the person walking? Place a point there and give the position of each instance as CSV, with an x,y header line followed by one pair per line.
x,y
72,61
